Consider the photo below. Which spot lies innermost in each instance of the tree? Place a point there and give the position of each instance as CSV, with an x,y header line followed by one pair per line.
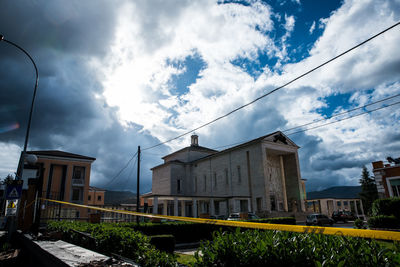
x,y
368,193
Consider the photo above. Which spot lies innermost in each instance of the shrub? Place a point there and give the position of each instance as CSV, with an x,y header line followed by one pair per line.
x,y
359,224
386,206
163,242
184,232
274,248
111,238
384,221
278,220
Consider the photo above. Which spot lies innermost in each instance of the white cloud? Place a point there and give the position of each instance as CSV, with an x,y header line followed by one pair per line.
x,y
137,81
312,28
9,154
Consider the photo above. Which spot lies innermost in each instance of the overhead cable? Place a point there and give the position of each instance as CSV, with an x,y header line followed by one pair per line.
x,y
276,89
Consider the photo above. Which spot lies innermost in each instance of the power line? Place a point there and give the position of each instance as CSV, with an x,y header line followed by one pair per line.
x,y
274,90
332,122
336,115
328,118
120,171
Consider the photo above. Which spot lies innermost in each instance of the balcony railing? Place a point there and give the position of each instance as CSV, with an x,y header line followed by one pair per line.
x,y
78,182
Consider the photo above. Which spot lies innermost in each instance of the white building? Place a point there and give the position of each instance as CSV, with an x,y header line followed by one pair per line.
x,y
261,175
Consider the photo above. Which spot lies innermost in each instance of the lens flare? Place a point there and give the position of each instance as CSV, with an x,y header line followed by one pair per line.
x,y
9,128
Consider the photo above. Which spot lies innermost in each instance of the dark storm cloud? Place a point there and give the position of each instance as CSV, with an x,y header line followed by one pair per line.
x,y
62,37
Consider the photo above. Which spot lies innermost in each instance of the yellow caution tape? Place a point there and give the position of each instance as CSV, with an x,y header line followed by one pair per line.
x,y
375,234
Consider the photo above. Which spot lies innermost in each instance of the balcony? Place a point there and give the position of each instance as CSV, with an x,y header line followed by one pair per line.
x,y
78,182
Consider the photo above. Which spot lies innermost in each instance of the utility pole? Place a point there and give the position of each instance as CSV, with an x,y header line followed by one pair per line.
x,y
137,186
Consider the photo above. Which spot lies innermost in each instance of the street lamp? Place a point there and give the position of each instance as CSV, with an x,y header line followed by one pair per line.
x,y
20,169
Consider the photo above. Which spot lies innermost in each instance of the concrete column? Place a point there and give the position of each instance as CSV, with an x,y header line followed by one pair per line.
x,y
212,208
233,204
355,207
175,206
165,207
342,204
362,208
194,208
249,205
285,203
183,211
155,205
335,205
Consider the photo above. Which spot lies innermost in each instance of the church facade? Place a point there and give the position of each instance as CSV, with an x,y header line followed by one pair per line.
x,y
261,176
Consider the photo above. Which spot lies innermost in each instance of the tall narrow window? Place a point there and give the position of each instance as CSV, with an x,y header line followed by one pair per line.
x,y
195,184
215,180
205,183
239,174
226,177
178,185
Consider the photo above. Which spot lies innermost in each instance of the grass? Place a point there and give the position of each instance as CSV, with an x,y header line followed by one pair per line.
x,y
185,259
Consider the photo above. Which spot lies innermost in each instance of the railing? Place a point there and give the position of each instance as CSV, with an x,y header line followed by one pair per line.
x,y
78,182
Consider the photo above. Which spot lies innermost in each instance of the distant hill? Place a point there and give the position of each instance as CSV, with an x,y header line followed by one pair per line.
x,y
119,197
336,192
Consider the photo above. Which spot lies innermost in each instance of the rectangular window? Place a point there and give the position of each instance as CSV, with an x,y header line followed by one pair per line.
x,y
273,204
215,180
78,173
226,177
98,198
178,184
205,183
394,190
76,194
89,197
239,174
195,184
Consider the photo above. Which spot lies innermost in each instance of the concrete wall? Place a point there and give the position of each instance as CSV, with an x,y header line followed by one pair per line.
x,y
292,182
161,180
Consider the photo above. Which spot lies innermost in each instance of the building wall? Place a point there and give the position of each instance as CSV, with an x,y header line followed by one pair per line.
x,y
384,174
292,183
57,165
94,195
161,180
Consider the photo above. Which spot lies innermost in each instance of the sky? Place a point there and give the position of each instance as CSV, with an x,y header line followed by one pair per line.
x,y
122,74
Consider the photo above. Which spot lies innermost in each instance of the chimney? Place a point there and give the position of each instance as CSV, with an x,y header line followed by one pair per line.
x,y
195,140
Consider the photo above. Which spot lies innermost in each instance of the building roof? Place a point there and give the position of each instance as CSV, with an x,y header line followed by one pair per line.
x,y
58,153
192,148
93,188
216,152
337,192
259,139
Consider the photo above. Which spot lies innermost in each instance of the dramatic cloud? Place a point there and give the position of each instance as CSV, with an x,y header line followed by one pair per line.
x,y
115,76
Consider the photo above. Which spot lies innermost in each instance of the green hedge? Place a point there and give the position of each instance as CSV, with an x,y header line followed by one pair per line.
x,y
184,232
163,242
384,221
278,220
108,238
274,248
386,206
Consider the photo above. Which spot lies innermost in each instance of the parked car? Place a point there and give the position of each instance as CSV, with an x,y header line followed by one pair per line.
x,y
236,216
343,216
318,219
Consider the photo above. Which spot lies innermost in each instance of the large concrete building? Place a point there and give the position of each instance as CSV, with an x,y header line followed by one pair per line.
x,y
261,175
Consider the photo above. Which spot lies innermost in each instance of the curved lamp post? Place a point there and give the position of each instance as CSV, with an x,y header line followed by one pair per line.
x,y
22,158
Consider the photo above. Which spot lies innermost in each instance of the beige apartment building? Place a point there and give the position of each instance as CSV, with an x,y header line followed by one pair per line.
x,y
66,177
262,175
